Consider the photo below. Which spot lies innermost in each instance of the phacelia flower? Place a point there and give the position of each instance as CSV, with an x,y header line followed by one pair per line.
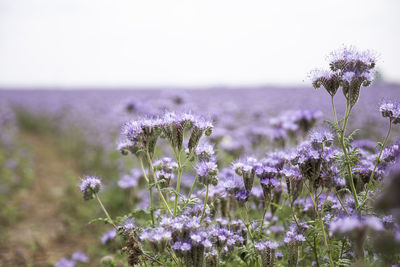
x,y
356,70
89,186
391,109
107,237
204,151
330,80
130,180
207,172
80,256
65,263
267,250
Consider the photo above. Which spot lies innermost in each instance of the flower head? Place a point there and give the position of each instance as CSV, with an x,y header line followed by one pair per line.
x,y
89,186
207,172
391,109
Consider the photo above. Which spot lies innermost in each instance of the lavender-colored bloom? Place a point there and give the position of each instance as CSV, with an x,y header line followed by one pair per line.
x,y
242,196
129,224
391,109
80,256
65,263
349,224
319,136
330,80
204,151
130,180
247,169
107,237
207,172
295,234
260,246
89,186
185,246
230,181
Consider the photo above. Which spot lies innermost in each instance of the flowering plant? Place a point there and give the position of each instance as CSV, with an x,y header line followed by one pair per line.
x,y
311,203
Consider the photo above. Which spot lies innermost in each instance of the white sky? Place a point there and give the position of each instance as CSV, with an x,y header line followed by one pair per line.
x,y
72,43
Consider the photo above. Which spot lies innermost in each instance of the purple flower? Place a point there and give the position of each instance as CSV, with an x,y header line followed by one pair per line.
x,y
107,237
204,151
89,186
207,172
391,109
350,224
65,263
80,256
130,180
129,224
330,80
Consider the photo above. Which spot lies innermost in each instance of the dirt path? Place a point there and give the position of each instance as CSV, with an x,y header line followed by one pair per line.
x,y
42,236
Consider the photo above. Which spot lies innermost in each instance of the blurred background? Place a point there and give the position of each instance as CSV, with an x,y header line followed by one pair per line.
x,y
72,72
75,44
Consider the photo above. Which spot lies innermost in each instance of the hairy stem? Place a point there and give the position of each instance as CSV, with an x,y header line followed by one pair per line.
x,y
150,191
193,186
178,184
344,148
323,230
155,181
205,203
105,211
334,110
371,179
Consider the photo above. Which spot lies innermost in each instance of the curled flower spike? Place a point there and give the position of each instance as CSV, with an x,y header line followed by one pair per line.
x,y
207,172
320,137
246,169
391,109
330,80
204,151
356,68
267,251
89,186
201,126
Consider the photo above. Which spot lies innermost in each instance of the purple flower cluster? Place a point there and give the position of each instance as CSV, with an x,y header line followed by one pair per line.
x,y
391,109
350,69
350,225
296,121
76,257
267,251
130,180
295,234
204,152
141,135
164,170
108,236
89,186
207,172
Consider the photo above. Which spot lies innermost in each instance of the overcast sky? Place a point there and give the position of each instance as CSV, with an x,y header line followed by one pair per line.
x,y
82,43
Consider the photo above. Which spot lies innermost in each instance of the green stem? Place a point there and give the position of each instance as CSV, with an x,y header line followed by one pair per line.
x,y
155,181
263,219
371,179
340,201
178,184
150,191
105,211
350,175
323,231
193,186
205,203
334,110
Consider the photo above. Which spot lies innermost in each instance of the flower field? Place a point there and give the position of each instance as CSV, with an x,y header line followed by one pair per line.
x,y
268,176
